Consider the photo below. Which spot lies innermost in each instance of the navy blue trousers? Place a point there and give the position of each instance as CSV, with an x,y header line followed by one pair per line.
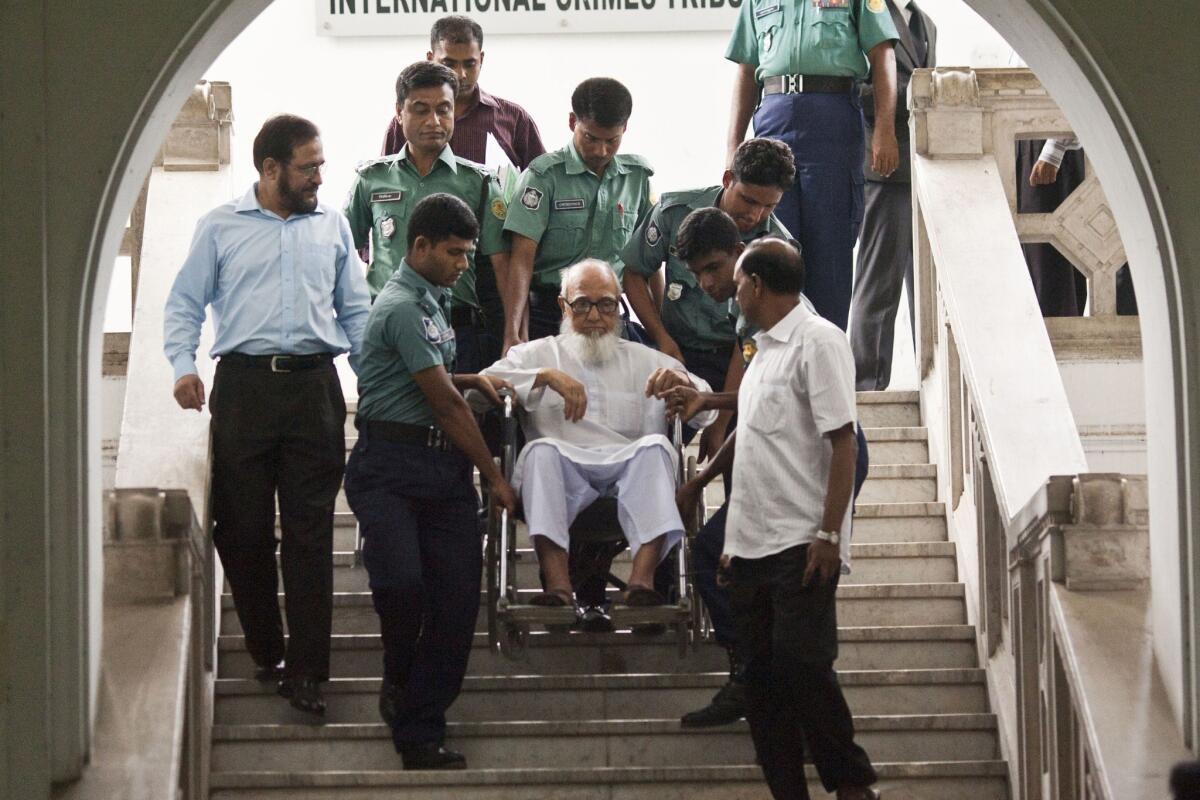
x,y
709,544
421,547
824,210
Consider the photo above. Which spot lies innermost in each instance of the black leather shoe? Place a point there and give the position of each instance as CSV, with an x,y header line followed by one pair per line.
x,y
594,619
389,702
272,672
727,706
432,756
304,694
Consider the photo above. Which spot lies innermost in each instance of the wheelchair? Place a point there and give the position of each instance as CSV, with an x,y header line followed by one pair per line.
x,y
511,619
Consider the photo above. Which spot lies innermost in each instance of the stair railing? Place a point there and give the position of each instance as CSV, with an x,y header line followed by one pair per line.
x,y
1000,425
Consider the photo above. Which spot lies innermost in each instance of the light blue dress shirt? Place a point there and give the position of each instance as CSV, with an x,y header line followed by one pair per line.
x,y
293,286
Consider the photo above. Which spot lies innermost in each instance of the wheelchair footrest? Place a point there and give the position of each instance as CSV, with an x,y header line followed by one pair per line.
x,y
622,616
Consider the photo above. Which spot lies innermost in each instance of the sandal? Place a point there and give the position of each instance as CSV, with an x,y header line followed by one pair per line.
x,y
641,596
555,598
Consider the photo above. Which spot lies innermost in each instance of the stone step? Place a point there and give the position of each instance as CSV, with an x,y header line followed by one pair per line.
x,y
876,523
936,780
858,605
575,697
889,410
587,743
900,483
860,648
873,522
898,445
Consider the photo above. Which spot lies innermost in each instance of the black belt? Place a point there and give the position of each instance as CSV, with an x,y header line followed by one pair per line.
x,y
405,433
798,84
279,363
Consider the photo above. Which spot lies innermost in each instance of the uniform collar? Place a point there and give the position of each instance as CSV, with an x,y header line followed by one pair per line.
x,y
707,198
782,331
408,277
446,157
249,202
574,163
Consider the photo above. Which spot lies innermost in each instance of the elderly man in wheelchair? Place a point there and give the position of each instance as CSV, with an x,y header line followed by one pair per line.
x,y
595,428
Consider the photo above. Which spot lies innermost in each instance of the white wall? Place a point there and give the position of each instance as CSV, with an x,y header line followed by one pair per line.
x,y
680,83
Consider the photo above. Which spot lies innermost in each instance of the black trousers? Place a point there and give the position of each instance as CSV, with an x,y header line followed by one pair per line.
x,y
422,550
278,434
788,634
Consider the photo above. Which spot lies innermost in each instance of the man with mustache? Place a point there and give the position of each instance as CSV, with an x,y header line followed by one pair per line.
x,y
596,429
287,294
387,190
582,201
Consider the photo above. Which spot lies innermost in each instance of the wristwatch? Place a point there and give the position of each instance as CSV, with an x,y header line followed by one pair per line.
x,y
833,537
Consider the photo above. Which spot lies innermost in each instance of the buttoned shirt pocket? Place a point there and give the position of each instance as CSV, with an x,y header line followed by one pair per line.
x,y
319,266
832,29
769,413
564,235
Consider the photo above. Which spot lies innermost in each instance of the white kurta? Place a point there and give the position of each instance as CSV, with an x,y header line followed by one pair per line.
x,y
620,419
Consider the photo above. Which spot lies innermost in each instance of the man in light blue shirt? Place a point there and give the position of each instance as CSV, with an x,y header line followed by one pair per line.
x,y
288,294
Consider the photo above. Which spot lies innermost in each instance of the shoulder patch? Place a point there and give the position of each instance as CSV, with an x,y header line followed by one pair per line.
x,y
531,198
499,209
653,234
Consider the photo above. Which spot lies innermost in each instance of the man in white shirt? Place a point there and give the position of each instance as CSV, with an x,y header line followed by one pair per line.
x,y
599,431
788,528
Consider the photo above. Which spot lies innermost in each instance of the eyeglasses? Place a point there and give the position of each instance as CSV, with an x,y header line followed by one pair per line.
x,y
581,306
308,172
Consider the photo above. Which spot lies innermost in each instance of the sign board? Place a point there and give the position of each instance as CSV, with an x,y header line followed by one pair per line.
x,y
416,17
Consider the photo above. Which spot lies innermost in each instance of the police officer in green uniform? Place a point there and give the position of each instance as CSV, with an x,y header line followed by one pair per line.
x,y
582,201
692,327
802,57
388,189
408,481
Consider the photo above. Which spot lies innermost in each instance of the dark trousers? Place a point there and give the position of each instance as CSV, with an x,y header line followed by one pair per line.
x,y
545,316
885,264
475,348
709,544
788,636
421,547
825,207
278,433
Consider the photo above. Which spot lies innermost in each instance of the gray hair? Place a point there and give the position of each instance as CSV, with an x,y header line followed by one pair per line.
x,y
575,272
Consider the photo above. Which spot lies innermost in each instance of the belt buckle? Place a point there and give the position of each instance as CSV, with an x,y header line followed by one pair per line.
x,y
275,364
793,84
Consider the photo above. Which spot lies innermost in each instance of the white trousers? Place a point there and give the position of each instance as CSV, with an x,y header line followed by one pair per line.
x,y
554,489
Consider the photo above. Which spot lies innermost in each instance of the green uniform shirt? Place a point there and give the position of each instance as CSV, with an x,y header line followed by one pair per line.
x,y
809,37
692,318
386,192
408,331
573,215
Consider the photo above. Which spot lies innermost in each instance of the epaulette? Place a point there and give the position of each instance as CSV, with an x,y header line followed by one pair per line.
x,y
474,165
632,160
363,165
685,197
545,161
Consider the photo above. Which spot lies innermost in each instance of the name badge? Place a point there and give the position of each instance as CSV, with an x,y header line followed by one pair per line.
x,y
385,197
569,205
759,13
831,3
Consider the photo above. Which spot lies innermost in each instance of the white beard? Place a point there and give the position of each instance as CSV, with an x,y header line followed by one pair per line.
x,y
593,350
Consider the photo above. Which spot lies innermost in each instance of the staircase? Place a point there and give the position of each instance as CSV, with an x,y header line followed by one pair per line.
x,y
596,716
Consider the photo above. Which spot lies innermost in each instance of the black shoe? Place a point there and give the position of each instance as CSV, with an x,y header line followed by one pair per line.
x,y
273,672
432,756
594,619
389,701
304,694
727,706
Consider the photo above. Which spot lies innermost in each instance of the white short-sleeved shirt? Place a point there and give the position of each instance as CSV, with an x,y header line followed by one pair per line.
x,y
798,388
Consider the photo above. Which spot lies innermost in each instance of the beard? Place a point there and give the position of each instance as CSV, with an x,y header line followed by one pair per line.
x,y
593,349
293,200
